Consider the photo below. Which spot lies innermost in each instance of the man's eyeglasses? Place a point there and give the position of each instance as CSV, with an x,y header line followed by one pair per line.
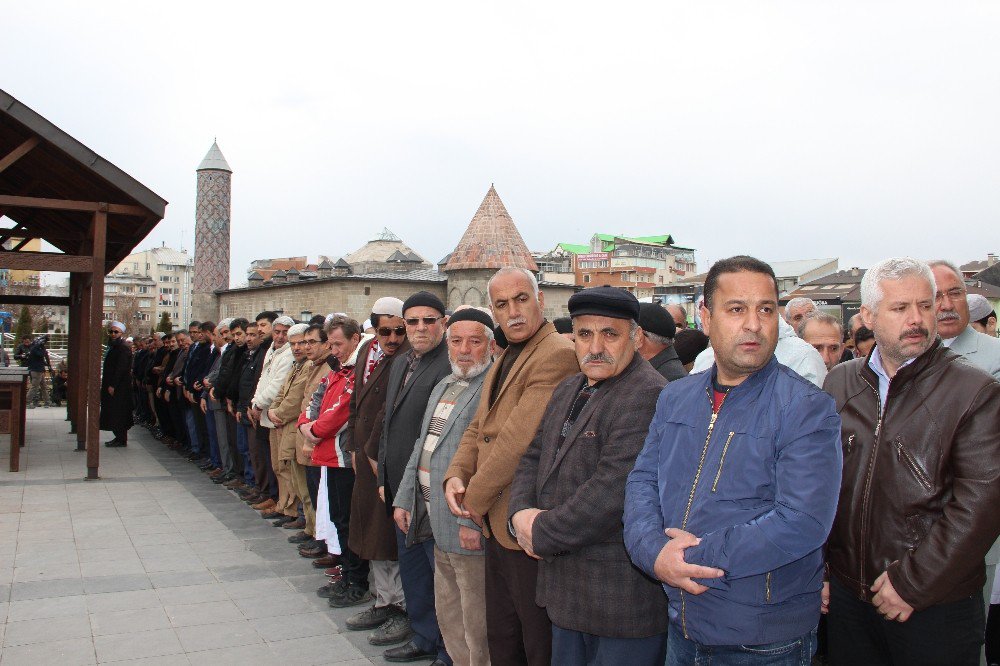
x,y
311,342
428,321
385,331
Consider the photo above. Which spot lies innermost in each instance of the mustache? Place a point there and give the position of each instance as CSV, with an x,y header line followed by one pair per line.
x,y
516,320
915,331
947,315
603,357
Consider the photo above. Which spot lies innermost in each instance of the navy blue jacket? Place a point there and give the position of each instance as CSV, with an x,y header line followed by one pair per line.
x,y
758,484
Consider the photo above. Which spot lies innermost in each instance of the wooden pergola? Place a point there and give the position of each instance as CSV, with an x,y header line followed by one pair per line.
x,y
54,188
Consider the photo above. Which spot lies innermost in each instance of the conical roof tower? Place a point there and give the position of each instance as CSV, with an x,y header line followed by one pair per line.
x,y
211,233
491,240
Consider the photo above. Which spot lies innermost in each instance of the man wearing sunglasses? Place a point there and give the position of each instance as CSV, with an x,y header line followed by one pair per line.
x,y
116,379
411,380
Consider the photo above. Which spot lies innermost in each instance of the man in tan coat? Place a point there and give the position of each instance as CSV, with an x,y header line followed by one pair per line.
x,y
477,484
284,412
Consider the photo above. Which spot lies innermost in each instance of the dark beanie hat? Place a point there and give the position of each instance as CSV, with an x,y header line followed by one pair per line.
x,y
563,324
688,343
471,314
654,319
499,337
604,302
424,298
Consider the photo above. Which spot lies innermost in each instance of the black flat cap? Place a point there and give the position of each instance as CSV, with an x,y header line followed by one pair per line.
x,y
565,324
604,302
654,319
471,314
424,298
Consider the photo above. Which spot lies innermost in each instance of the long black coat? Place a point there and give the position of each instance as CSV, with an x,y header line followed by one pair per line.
x,y
116,410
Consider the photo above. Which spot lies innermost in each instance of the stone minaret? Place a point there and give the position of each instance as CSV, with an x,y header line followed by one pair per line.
x,y
211,235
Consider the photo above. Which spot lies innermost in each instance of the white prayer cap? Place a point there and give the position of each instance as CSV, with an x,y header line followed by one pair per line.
x,y
388,306
297,329
979,307
368,324
226,323
285,321
117,324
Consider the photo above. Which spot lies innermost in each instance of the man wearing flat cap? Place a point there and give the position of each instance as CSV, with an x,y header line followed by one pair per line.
x,y
116,379
411,380
655,341
568,493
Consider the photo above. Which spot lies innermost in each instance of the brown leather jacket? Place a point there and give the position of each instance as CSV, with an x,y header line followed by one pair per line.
x,y
921,485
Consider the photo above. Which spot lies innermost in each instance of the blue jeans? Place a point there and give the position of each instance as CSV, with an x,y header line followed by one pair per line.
x,y
576,647
416,571
790,652
243,446
192,429
213,438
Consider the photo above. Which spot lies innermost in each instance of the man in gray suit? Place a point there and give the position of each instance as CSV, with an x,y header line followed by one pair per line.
x,y
568,494
979,350
411,380
421,509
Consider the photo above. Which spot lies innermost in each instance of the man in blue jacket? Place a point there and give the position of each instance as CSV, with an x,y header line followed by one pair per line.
x,y
736,487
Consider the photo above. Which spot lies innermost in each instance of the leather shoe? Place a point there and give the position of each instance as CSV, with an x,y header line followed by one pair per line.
x,y
301,537
236,483
313,553
407,652
265,505
216,473
296,524
283,520
271,514
326,561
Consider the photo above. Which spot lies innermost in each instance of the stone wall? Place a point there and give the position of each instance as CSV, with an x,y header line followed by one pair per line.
x,y
351,295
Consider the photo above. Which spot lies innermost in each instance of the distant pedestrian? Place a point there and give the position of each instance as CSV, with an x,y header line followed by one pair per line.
x,y
116,380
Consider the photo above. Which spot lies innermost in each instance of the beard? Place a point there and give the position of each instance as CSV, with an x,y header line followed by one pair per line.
x,y
473,371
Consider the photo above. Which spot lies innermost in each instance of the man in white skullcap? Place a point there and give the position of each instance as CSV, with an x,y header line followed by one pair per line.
x,y
982,316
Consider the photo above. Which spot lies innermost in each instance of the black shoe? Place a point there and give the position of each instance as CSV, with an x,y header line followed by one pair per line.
x,y
394,630
352,595
225,478
115,443
408,652
330,590
373,618
313,553
301,537
284,520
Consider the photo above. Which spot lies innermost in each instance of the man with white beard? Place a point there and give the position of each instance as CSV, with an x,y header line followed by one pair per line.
x,y
421,510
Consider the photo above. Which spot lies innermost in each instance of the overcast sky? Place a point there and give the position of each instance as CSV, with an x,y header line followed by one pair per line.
x,y
788,130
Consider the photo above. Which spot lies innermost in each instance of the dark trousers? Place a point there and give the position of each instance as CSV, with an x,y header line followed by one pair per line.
x,y
121,435
236,453
950,633
518,630
163,419
416,571
200,427
244,434
576,647
312,483
339,486
177,418
260,445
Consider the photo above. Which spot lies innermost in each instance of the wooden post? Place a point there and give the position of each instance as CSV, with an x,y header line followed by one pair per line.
x,y
92,351
73,394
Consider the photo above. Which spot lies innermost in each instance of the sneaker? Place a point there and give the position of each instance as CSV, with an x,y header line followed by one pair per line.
x,y
395,630
352,595
330,590
373,618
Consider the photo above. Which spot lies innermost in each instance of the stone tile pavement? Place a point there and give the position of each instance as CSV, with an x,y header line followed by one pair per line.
x,y
150,564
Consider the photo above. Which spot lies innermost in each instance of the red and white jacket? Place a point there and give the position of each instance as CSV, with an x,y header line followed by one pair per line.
x,y
330,424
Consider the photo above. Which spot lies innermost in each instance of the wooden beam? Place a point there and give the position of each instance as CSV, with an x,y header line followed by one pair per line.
x,y
66,204
48,261
36,300
7,234
21,243
99,235
18,153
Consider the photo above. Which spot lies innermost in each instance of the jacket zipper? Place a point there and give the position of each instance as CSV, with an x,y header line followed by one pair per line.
x,y
767,587
694,487
865,504
903,455
722,459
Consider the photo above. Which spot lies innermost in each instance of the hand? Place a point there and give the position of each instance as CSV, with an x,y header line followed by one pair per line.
x,y
671,568
523,522
381,493
374,465
198,386
239,418
111,390
211,393
159,392
454,495
825,596
888,602
401,516
166,396
469,538
204,406
254,414
274,419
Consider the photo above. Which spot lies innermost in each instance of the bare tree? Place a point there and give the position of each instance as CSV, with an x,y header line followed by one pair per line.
x,y
125,310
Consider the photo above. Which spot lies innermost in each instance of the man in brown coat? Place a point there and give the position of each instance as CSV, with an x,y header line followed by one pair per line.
x,y
373,534
477,484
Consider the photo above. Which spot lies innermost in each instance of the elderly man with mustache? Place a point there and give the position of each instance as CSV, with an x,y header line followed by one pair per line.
x,y
921,485
567,498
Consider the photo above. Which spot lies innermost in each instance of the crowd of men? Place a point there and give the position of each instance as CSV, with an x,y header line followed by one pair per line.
x,y
487,486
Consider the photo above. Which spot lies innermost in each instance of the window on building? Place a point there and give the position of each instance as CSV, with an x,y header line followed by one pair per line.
x,y
586,279
109,302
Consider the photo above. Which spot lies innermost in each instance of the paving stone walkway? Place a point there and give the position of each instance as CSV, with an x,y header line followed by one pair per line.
x,y
151,564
